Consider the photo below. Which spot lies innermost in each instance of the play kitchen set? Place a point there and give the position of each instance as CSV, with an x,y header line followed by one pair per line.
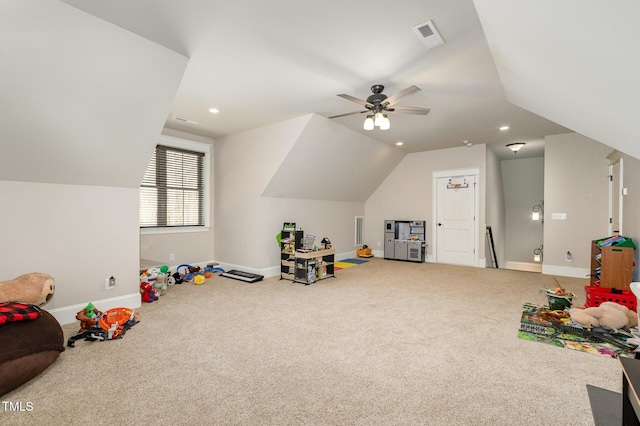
x,y
405,240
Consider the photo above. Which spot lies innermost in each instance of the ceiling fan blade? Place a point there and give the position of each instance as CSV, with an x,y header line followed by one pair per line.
x,y
393,99
356,100
410,110
349,113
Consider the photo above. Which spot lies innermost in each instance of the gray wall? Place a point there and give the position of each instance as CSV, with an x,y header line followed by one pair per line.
x,y
523,181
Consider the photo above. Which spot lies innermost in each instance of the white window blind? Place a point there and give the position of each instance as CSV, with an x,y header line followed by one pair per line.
x,y
172,190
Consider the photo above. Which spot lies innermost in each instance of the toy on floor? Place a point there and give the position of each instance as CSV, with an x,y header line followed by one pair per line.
x,y
608,314
195,274
88,317
147,293
99,326
34,288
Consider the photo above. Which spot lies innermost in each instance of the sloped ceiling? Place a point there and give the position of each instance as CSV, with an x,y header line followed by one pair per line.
x,y
332,162
574,62
82,101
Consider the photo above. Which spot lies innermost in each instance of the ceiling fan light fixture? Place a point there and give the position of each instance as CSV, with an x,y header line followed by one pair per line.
x,y
385,124
368,122
378,119
515,147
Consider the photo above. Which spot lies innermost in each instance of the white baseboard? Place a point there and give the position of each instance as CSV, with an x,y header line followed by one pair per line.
x,y
67,314
523,266
566,271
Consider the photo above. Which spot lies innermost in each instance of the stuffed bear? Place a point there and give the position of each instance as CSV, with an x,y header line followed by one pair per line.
x,y
34,288
608,314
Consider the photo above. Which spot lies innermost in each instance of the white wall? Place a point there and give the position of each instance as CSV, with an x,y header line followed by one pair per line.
x,y
575,183
406,194
78,234
83,103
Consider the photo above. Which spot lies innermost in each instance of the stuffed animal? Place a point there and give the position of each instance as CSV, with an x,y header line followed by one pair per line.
x,y
608,314
147,293
34,288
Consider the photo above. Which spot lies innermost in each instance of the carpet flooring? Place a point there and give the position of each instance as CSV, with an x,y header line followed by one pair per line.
x,y
384,343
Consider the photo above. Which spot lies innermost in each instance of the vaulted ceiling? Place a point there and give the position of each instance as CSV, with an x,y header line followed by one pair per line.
x,y
540,67
264,62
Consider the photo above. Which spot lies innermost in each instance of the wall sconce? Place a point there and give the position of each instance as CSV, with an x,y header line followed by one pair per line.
x,y
538,212
537,254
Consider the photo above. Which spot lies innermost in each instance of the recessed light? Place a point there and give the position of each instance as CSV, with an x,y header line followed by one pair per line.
x,y
214,110
503,128
399,143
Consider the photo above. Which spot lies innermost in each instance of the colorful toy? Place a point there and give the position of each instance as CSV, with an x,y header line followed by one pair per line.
x,y
608,314
88,317
147,293
109,325
193,272
34,288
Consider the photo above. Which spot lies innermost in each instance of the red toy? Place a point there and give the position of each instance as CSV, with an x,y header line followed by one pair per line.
x,y
147,293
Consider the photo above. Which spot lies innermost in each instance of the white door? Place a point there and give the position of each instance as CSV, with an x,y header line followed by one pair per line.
x,y
455,220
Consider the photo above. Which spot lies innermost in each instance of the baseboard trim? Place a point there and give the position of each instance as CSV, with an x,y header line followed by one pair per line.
x,y
523,266
67,314
565,271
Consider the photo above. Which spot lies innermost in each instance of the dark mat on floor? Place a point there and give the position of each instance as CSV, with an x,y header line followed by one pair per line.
x,y
606,406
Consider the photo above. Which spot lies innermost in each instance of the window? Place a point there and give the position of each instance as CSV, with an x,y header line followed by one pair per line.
x,y
173,190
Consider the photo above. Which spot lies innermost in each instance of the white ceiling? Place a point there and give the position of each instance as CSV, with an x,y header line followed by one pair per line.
x,y
265,62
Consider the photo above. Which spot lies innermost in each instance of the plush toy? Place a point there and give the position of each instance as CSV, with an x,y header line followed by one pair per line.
x,y
33,288
608,314
88,317
147,293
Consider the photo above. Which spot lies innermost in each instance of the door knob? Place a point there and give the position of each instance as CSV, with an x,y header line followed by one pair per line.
x,y
439,224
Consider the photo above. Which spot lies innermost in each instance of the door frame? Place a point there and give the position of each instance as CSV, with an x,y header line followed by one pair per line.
x,y
616,197
475,172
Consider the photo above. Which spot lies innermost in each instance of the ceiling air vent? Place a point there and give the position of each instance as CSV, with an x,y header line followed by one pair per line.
x,y
428,34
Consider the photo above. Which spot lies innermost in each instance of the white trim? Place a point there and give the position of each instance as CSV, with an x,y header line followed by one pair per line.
x,y
174,230
67,314
565,271
205,148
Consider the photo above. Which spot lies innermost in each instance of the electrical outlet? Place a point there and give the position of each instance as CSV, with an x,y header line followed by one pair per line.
x,y
109,283
172,256
567,256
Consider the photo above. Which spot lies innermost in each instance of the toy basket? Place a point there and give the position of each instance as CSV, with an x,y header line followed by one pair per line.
x,y
597,295
559,302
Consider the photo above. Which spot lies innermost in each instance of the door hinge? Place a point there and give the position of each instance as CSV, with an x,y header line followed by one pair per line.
x,y
610,178
610,220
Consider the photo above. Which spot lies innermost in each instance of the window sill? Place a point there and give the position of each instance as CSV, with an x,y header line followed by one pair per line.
x,y
176,230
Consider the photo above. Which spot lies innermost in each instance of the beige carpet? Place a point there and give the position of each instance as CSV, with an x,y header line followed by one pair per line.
x,y
384,343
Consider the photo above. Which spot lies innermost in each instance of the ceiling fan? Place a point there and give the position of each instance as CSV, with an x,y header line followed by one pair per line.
x,y
378,104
